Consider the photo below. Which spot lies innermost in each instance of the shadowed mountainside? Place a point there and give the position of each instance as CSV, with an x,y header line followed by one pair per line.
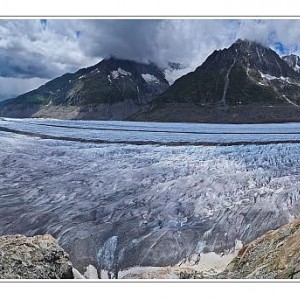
x,y
111,90
246,83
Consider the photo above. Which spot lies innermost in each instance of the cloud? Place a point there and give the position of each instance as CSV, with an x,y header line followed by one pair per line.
x,y
10,87
40,48
272,33
160,41
45,49
186,41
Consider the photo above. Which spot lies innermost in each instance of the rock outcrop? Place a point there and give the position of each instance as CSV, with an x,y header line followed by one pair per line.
x,y
37,257
293,61
275,255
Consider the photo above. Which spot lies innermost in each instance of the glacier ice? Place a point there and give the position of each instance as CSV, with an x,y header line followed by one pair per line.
x,y
163,203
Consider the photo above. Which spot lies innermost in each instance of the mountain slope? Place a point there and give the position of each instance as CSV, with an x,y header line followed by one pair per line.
x,y
246,83
112,89
293,61
275,255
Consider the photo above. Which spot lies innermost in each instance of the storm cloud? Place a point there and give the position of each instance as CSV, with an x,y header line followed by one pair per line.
x,y
34,51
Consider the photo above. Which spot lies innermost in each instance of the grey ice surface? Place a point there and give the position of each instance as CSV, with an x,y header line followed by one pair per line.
x,y
150,205
152,132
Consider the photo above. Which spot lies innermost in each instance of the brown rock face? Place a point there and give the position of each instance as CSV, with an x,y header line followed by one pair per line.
x,y
275,255
38,257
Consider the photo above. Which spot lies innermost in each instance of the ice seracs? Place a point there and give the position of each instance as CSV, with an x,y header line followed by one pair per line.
x,y
163,204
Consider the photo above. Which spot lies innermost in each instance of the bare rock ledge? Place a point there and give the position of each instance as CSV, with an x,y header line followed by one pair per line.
x,y
275,255
37,257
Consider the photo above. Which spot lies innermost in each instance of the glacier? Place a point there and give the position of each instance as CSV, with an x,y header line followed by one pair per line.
x,y
152,204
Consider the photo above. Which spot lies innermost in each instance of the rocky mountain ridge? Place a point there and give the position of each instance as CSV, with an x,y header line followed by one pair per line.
x,y
245,83
293,61
111,90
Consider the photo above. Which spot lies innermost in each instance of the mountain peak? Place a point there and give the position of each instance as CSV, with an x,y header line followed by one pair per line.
x,y
292,55
114,59
249,55
112,89
231,82
247,46
248,42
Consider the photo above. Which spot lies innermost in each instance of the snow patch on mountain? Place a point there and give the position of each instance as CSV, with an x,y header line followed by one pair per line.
x,y
171,75
271,77
268,76
95,71
149,78
296,68
119,72
293,61
290,101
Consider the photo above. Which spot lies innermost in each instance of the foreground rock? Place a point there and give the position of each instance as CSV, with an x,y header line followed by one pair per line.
x,y
38,257
164,204
203,266
275,255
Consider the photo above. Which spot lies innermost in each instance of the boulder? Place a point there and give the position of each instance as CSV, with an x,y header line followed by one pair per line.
x,y
37,257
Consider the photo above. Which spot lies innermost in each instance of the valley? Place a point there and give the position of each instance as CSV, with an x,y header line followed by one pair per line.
x,y
119,195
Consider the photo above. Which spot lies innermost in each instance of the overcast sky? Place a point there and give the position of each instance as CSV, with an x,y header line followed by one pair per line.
x,y
34,51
